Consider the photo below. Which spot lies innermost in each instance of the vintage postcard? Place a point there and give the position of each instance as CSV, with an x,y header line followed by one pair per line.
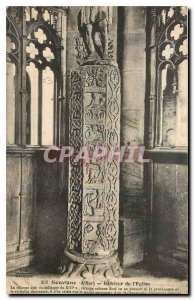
x,y
97,149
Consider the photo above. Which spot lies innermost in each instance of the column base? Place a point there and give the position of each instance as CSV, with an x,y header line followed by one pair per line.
x,y
91,267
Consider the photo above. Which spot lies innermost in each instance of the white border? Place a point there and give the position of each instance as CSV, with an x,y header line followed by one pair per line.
x,y
3,5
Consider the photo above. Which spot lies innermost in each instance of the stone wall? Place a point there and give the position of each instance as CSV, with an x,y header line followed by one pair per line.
x,y
170,218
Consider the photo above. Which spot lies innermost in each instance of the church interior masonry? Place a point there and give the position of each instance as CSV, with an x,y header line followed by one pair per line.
x,y
82,76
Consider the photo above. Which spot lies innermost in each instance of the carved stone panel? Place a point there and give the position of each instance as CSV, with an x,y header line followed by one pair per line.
x,y
94,186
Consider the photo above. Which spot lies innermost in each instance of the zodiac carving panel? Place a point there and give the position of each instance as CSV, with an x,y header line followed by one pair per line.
x,y
95,107
96,76
94,173
93,202
91,243
94,133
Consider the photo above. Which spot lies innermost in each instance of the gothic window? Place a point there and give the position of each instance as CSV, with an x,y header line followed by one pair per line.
x,y
42,65
169,77
33,71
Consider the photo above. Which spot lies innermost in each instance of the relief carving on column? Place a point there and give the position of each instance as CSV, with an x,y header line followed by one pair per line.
x,y
95,76
75,181
93,203
94,186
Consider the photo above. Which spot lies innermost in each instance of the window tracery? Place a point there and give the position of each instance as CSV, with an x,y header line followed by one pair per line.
x,y
33,54
168,53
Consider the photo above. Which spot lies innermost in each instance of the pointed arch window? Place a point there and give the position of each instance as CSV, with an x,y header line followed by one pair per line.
x,y
42,66
168,73
34,36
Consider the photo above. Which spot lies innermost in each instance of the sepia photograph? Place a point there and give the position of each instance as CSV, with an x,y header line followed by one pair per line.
x,y
97,150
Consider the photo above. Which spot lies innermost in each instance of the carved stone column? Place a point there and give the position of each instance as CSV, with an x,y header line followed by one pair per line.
x,y
94,119
93,205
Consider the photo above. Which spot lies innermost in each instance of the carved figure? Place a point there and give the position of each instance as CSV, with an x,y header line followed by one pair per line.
x,y
93,202
94,173
94,132
96,20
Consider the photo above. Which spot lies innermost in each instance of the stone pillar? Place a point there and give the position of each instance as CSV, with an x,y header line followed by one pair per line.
x,y
94,119
93,204
131,58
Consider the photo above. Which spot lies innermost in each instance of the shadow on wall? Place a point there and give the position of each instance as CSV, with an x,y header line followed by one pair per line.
x,y
51,217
